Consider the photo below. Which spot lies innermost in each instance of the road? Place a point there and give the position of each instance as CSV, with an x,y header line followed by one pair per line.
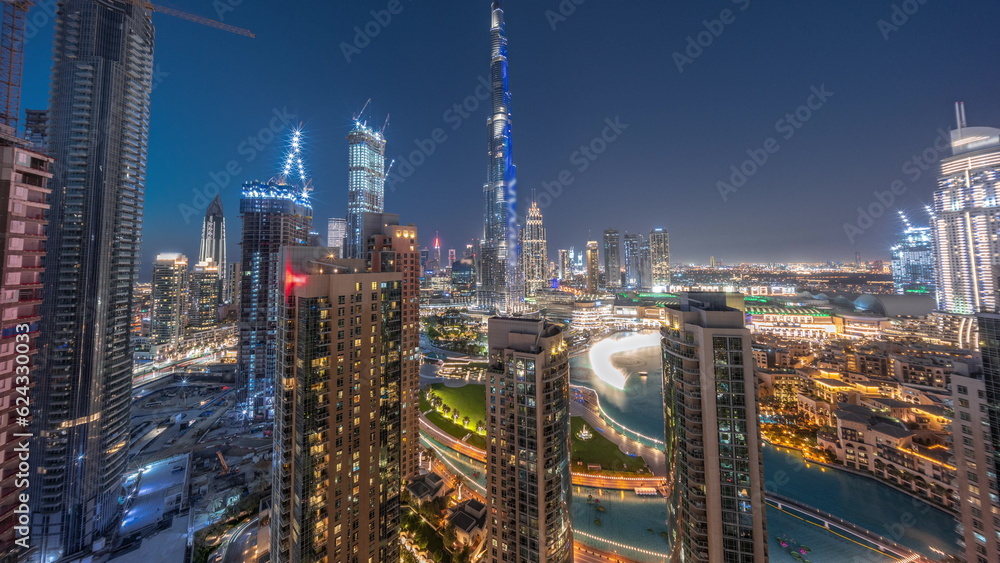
x,y
583,480
242,544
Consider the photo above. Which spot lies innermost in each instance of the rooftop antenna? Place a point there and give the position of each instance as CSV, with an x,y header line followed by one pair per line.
x,y
960,115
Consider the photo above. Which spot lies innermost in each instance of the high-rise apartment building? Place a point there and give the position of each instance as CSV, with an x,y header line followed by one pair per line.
x,y
534,251
500,283
659,250
565,265
966,211
715,511
205,296
35,128
274,216
913,260
231,289
339,410
633,269
336,234
170,297
613,258
645,264
98,126
24,201
366,183
593,268
976,431
213,239
394,250
527,462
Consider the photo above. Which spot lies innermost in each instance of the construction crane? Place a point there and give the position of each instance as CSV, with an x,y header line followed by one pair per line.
x,y
12,48
226,470
190,17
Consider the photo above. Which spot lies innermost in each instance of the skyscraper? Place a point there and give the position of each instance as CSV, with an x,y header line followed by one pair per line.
x,y
36,123
336,481
98,126
366,183
976,401
913,260
565,265
966,212
336,233
645,264
633,268
527,465
213,239
500,284
613,258
715,511
170,295
274,216
593,268
534,251
24,197
205,298
659,249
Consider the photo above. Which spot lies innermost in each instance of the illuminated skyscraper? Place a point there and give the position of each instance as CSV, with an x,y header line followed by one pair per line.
x,y
593,268
213,237
170,293
366,183
336,233
613,258
645,264
633,267
715,511
913,260
98,131
274,216
534,251
336,479
500,284
964,224
565,265
205,298
659,249
527,462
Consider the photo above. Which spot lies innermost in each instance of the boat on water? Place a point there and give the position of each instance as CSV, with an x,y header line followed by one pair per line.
x,y
643,374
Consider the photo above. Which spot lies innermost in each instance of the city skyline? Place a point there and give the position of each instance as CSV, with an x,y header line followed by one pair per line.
x,y
548,135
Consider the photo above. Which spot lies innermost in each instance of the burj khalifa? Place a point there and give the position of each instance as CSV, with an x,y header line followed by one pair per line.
x,y
500,286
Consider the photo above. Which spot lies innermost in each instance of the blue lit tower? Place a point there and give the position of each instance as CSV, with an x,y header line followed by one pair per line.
x,y
500,288
366,183
275,215
913,259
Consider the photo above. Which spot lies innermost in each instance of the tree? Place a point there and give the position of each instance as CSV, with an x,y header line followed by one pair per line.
x,y
465,420
446,409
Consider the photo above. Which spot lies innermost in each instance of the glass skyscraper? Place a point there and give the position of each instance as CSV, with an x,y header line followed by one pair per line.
x,y
659,249
366,184
98,132
613,258
213,239
534,251
965,219
274,216
913,260
499,283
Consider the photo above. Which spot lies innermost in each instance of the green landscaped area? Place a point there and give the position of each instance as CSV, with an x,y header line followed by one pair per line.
x,y
470,401
601,451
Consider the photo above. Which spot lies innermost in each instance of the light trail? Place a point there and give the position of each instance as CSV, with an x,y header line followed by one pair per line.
x,y
600,355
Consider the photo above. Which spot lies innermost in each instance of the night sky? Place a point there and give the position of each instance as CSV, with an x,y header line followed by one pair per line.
x,y
893,86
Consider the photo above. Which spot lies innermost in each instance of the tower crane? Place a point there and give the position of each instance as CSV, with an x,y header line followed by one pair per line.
x,y
14,13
